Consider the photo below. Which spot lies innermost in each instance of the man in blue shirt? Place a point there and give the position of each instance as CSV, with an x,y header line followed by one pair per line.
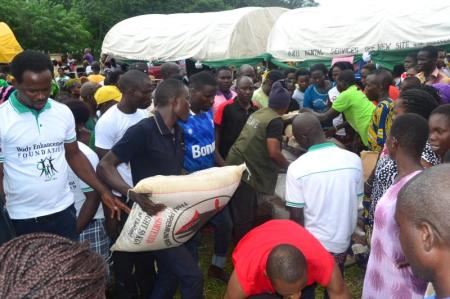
x,y
199,154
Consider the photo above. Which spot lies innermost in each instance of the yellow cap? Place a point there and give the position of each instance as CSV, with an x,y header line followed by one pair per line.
x,y
107,93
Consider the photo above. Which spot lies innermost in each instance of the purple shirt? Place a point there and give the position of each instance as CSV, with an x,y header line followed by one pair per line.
x,y
384,279
89,57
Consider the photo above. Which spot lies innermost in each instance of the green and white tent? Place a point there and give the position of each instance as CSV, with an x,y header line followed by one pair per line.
x,y
386,29
216,38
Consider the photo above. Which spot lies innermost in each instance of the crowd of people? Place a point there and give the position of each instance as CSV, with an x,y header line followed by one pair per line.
x,y
71,150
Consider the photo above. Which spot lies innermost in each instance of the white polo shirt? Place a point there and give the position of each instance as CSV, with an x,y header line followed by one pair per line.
x,y
110,128
327,183
78,187
33,157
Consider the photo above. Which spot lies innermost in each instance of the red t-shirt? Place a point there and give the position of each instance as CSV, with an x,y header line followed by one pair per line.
x,y
251,253
393,92
219,112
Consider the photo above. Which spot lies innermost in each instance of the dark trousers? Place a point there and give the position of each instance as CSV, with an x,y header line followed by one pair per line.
x,y
243,208
223,227
62,223
134,274
177,265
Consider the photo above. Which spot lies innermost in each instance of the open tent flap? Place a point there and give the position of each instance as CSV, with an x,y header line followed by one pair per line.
x,y
234,34
350,27
9,47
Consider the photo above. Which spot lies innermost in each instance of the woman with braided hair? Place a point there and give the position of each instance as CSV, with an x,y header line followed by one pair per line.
x,y
41,265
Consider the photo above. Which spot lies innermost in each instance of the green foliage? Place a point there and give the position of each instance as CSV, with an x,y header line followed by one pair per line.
x,y
46,26
71,25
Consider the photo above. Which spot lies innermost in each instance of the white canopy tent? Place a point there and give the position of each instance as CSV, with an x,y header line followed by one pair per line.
x,y
233,34
349,27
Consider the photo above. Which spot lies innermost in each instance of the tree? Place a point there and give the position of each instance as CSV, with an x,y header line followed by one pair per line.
x,y
42,25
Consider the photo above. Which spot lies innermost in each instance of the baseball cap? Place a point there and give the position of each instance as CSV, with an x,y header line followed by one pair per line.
x,y
107,93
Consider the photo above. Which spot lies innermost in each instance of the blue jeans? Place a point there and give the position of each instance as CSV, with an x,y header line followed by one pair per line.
x,y
62,223
177,265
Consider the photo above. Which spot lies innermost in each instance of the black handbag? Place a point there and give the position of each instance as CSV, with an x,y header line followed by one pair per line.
x,y
6,227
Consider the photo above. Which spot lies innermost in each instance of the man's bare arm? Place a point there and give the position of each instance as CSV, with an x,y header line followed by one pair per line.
x,y
234,289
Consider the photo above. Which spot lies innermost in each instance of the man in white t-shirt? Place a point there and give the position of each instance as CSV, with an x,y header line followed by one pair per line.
x,y
37,145
110,128
324,187
131,269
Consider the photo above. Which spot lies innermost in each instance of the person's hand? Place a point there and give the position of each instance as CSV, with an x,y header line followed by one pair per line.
x,y
114,204
143,200
330,132
112,227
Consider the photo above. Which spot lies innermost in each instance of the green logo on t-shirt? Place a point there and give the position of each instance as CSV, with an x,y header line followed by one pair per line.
x,y
46,167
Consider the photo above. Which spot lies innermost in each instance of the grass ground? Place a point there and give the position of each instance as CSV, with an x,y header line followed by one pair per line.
x,y
354,275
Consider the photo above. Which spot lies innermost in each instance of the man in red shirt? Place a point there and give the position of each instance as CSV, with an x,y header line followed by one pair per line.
x,y
279,259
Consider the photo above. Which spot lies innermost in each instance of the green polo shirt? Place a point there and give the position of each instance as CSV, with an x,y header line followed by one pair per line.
x,y
357,110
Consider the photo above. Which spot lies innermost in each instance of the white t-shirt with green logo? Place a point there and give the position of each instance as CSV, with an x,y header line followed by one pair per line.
x,y
33,157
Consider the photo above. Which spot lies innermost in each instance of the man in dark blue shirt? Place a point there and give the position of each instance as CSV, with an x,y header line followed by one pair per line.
x,y
154,147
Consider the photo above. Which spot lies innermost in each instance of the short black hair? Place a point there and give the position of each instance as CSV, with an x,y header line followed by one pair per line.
x,y
383,77
79,110
167,90
443,110
140,66
201,79
431,50
275,75
289,71
411,132
132,79
433,92
286,263
370,67
168,69
242,78
347,76
223,68
418,101
29,60
95,66
302,72
398,70
342,65
413,56
412,82
425,198
319,67
112,78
